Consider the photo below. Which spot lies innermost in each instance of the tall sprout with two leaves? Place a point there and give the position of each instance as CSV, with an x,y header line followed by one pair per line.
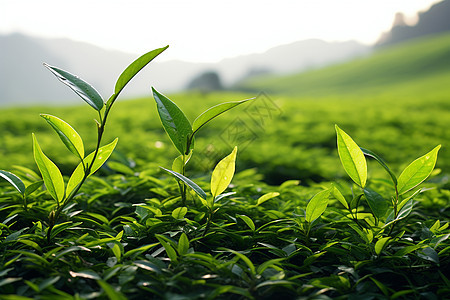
x,y
385,212
63,194
182,133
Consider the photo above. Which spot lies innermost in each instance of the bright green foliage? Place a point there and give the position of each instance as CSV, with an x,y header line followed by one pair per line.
x,y
189,182
376,202
266,197
317,205
223,174
381,162
126,235
336,193
183,244
135,67
352,158
417,171
15,181
83,89
179,212
79,173
50,173
174,122
214,112
67,134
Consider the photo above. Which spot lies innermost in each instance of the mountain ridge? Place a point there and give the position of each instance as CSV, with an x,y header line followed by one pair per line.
x,y
25,81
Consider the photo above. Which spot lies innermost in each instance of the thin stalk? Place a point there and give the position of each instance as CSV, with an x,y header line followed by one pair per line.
x,y
182,185
208,223
25,204
308,231
87,170
395,210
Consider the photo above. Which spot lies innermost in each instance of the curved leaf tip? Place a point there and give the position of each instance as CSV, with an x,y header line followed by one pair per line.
x,y
83,89
352,157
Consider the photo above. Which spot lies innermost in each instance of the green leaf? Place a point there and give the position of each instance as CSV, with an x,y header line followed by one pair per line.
x,y
247,261
174,121
79,86
50,173
352,158
179,212
317,205
189,182
381,162
135,67
33,187
169,249
417,171
183,244
213,112
15,181
376,202
177,164
79,173
266,197
223,174
67,134
247,221
336,193
110,291
380,244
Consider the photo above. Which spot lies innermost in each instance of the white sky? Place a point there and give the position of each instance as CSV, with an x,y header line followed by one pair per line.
x,y
204,30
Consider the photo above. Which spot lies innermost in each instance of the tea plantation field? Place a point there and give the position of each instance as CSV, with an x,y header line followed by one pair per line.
x,y
298,212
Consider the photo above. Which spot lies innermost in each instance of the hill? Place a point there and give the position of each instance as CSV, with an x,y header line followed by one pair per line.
x,y
422,63
433,21
23,80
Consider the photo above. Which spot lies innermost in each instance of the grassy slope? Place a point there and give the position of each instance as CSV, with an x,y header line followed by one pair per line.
x,y
424,62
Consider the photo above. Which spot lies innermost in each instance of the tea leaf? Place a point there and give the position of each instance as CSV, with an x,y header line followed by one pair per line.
x,y
317,205
177,164
352,158
179,213
15,181
376,202
79,173
213,112
174,122
33,187
223,174
266,197
381,162
169,249
338,195
83,89
67,134
135,67
417,171
247,221
189,182
50,173
183,244
110,291
379,245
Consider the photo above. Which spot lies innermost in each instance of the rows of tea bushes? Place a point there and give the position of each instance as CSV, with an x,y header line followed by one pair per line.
x,y
270,200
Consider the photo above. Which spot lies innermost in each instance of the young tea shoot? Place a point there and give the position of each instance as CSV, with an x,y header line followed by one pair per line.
x,y
182,133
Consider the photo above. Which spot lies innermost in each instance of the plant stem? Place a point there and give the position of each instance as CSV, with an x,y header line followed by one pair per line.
x,y
182,185
208,223
87,169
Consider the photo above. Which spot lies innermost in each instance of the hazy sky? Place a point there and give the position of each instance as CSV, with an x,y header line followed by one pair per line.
x,y
204,30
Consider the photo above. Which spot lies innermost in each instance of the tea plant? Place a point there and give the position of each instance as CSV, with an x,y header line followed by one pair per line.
x,y
52,177
384,213
182,133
